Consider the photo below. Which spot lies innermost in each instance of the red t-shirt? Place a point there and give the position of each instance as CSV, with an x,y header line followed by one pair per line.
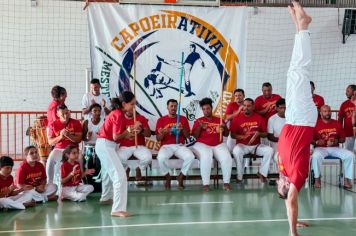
x,y
73,126
261,103
318,101
113,124
5,182
66,169
130,123
345,112
231,108
211,135
248,125
52,112
328,131
168,122
294,153
29,175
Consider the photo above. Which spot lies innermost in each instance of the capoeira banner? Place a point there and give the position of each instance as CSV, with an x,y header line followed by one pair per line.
x,y
155,37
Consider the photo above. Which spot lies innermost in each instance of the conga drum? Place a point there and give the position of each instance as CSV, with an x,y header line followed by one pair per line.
x,y
91,161
39,137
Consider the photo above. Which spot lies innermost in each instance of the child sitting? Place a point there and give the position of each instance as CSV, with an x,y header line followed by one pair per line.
x,y
10,197
31,177
71,176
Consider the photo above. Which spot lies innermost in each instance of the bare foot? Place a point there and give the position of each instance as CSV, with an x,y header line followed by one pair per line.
x,y
121,214
105,202
302,18
317,183
30,204
347,183
180,180
167,184
206,188
302,224
227,187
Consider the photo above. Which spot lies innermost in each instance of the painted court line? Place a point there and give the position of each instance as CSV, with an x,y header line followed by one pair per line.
x,y
193,203
170,224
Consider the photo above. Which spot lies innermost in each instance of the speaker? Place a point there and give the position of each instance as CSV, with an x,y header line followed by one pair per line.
x,y
349,24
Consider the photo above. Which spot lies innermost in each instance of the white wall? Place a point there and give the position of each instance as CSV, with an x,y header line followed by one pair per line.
x,y
48,44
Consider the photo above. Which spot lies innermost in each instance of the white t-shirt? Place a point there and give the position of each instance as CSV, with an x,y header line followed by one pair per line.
x,y
87,101
95,130
275,125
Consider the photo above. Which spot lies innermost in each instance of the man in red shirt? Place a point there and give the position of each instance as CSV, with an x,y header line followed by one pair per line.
x,y
207,131
63,132
31,176
265,105
59,95
166,129
328,134
345,117
138,150
233,109
318,100
247,128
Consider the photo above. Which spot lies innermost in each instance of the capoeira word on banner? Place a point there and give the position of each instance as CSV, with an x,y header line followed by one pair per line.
x,y
155,37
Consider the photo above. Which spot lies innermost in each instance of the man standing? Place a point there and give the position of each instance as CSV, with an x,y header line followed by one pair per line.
x,y
318,100
94,96
345,117
265,105
248,128
327,136
301,114
166,130
275,125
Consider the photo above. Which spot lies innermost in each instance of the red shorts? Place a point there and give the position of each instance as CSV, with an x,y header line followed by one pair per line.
x,y
294,153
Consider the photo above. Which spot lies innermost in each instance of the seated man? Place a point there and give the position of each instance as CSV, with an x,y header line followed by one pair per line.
x,y
166,130
275,125
247,128
233,109
31,176
129,146
63,132
207,130
328,134
10,197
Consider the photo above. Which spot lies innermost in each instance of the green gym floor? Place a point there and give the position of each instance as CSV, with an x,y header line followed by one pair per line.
x,y
250,209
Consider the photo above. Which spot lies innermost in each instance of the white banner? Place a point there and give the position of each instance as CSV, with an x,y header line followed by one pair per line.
x,y
157,36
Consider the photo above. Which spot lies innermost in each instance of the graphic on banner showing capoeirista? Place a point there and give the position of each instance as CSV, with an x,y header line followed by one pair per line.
x,y
156,37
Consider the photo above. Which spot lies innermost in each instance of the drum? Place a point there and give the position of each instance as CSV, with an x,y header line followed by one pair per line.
x,y
91,161
38,134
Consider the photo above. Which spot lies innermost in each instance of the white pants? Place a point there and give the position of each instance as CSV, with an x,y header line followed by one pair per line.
x,y
113,175
262,150
140,152
205,154
77,193
16,202
43,197
53,166
350,144
230,143
178,150
346,156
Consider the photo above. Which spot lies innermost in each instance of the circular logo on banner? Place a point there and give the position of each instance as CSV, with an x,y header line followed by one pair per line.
x,y
178,53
